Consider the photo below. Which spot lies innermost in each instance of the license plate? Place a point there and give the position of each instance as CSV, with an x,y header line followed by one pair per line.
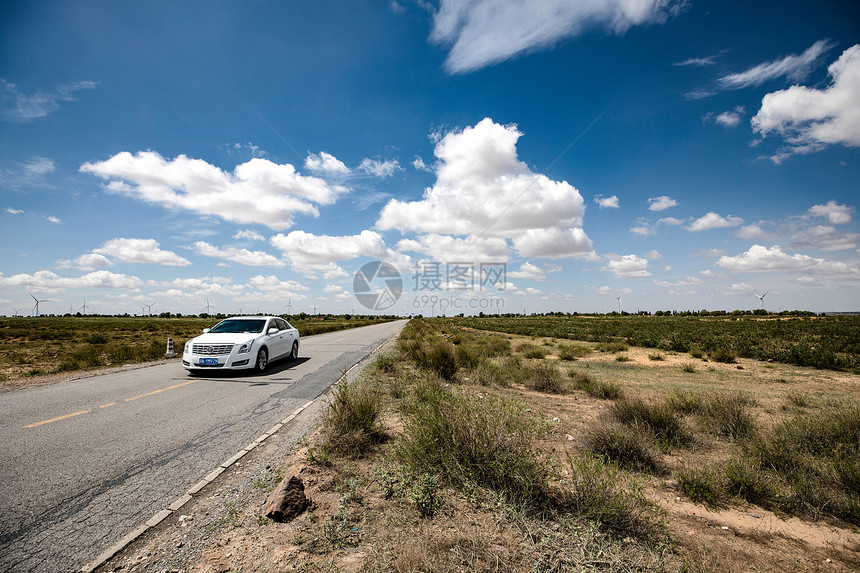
x,y
208,361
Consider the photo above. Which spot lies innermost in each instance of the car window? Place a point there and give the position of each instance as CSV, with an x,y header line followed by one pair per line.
x,y
289,326
251,325
282,324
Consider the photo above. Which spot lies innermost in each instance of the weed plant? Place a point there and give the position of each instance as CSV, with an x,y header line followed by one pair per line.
x,y
702,485
596,388
546,378
625,445
352,423
657,417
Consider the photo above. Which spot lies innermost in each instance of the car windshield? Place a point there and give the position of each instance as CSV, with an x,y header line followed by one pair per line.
x,y
239,326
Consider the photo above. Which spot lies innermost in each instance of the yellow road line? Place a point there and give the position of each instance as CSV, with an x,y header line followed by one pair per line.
x,y
106,405
162,390
58,419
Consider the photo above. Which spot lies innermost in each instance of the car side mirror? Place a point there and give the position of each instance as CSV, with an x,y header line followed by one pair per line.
x,y
273,330
205,330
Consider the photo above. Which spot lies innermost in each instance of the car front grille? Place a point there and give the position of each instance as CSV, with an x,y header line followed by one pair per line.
x,y
211,349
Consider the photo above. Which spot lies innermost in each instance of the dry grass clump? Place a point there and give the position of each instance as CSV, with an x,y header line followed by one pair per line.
x,y
570,352
656,417
596,388
352,423
627,446
546,378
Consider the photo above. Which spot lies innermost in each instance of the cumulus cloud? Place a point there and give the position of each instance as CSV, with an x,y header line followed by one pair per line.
x,y
762,259
317,255
530,271
419,164
87,262
486,32
730,118
661,203
325,163
381,169
793,67
18,106
241,256
12,211
808,118
750,232
606,202
714,221
483,189
52,219
249,234
141,251
835,213
824,238
51,282
628,266
257,191
450,249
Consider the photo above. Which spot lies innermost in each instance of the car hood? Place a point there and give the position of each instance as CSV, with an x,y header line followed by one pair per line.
x,y
226,337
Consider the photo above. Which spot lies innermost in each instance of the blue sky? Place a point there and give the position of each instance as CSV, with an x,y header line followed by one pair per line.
x,y
247,156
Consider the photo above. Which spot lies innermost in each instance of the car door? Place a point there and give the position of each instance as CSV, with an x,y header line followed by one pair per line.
x,y
284,342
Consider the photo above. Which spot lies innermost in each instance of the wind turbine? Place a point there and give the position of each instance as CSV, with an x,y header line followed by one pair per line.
x,y
208,306
290,306
84,308
36,307
761,298
14,313
619,304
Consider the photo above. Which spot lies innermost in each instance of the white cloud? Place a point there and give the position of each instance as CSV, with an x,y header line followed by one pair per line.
x,y
445,248
87,262
643,230
325,163
141,251
835,213
794,68
628,266
653,255
485,32
12,211
606,202
51,282
824,238
17,106
699,62
241,256
419,164
671,221
750,232
730,118
605,289
317,255
277,289
762,259
808,118
661,203
714,221
257,191
483,189
332,288
53,219
709,253
381,169
249,235
533,272
28,174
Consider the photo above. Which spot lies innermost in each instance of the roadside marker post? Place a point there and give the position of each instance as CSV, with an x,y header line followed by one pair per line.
x,y
171,353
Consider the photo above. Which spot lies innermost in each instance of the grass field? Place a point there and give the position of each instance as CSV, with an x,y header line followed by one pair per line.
x,y
467,450
820,342
48,345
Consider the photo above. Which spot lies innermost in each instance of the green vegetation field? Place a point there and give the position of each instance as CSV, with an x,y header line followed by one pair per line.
x,y
821,342
49,345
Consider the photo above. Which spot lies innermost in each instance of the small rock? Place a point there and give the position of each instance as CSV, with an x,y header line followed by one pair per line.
x,y
287,502
501,551
556,420
569,438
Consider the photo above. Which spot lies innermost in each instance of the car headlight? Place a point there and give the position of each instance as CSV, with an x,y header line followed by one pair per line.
x,y
246,347
186,348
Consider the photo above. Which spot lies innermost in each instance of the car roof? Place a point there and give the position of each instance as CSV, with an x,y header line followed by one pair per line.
x,y
250,317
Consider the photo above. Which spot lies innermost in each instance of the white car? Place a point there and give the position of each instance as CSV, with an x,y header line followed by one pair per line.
x,y
241,342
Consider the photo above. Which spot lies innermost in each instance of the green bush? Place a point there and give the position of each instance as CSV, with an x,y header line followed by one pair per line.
x,y
571,352
723,355
625,445
702,485
352,423
657,417
546,378
729,415
595,388
468,440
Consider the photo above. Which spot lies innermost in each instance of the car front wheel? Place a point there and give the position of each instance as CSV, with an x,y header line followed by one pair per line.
x,y
262,360
294,353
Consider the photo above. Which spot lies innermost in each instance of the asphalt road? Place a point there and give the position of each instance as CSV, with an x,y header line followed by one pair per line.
x,y
84,462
